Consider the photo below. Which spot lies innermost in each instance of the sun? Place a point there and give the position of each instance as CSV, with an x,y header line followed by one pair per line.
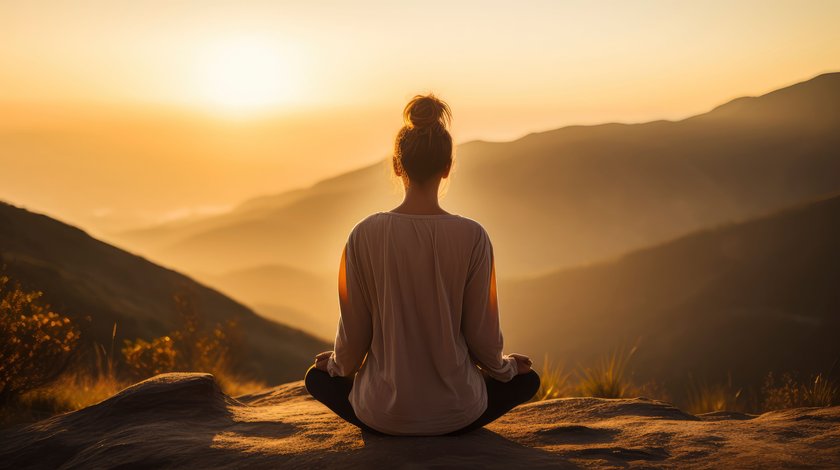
x,y
246,74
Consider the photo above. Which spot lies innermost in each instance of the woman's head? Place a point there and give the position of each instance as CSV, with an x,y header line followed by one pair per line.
x,y
423,148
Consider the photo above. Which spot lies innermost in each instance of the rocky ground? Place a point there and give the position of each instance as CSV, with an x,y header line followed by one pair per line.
x,y
185,421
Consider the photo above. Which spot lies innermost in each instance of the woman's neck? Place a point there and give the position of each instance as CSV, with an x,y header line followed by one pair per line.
x,y
421,199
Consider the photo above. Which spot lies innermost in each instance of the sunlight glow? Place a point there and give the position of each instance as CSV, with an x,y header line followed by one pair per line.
x,y
245,74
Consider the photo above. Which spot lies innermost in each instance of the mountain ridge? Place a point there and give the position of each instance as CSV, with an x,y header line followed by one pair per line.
x,y
746,299
83,277
573,186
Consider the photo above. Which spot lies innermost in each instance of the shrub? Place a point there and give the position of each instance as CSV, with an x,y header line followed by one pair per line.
x,y
36,343
147,358
191,347
785,391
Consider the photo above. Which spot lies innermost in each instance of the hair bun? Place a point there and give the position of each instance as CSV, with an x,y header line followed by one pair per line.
x,y
425,112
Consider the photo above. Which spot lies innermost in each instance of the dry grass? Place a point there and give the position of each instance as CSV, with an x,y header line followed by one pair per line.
x,y
72,392
234,385
785,391
610,377
81,388
36,382
705,397
555,381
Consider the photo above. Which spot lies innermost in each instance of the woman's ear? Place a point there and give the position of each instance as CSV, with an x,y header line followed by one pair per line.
x,y
446,170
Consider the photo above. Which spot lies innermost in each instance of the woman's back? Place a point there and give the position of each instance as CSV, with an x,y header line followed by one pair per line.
x,y
423,288
419,317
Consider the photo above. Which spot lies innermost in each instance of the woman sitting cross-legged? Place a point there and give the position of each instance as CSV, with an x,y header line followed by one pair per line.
x,y
419,347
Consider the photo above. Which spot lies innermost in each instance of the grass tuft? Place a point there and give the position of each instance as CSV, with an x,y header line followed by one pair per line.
x,y
555,381
610,377
705,397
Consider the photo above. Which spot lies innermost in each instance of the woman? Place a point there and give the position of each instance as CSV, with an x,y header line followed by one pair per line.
x,y
418,349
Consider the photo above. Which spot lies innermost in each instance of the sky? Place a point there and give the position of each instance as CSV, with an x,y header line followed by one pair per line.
x,y
156,98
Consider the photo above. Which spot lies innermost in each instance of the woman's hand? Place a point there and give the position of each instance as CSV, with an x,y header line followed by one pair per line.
x,y
321,360
523,363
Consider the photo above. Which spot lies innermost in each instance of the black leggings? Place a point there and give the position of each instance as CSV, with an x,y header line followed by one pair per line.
x,y
501,397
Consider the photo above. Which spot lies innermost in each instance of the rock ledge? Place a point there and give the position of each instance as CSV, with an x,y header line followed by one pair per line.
x,y
184,420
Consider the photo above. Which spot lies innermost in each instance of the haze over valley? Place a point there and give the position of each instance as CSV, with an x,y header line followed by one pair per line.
x,y
552,200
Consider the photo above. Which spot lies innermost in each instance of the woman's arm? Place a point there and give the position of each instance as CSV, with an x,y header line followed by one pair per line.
x,y
352,340
480,317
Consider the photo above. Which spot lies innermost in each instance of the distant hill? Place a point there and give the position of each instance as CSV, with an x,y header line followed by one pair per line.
x,y
97,284
747,298
309,301
559,198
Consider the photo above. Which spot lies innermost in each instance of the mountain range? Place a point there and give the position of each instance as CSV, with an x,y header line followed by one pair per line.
x,y
550,200
98,285
728,303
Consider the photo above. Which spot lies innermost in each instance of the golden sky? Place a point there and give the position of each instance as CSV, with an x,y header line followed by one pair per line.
x,y
585,61
332,77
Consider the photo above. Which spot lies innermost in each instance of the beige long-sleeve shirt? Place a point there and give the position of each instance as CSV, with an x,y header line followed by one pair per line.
x,y
418,315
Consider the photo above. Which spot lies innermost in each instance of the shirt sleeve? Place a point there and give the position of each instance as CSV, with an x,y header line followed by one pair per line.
x,y
480,317
352,340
